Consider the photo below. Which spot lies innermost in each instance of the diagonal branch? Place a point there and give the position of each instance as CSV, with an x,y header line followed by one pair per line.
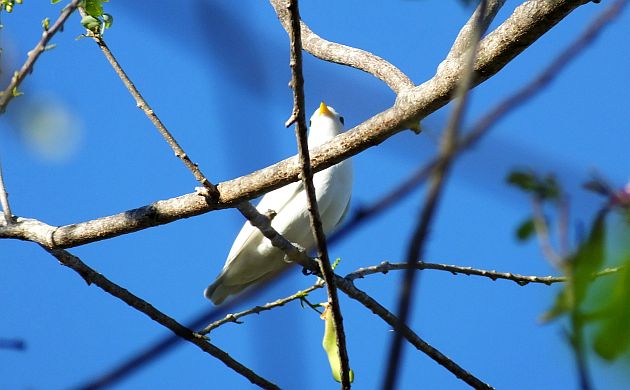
x,y
19,76
467,34
299,118
142,104
370,303
448,153
345,55
489,120
93,277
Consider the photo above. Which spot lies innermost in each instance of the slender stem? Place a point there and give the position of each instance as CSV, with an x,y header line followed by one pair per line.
x,y
144,106
299,117
93,277
33,55
542,232
4,200
521,280
235,317
430,205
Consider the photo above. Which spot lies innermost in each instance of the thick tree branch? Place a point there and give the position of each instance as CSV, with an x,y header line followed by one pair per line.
x,y
10,91
466,34
299,117
528,22
345,55
93,277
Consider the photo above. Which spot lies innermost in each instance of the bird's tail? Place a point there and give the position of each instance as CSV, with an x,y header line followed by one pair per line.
x,y
217,292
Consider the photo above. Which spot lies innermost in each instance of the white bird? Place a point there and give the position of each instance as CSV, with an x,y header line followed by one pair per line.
x,y
252,258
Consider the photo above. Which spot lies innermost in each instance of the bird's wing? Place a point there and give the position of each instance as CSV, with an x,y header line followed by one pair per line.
x,y
275,200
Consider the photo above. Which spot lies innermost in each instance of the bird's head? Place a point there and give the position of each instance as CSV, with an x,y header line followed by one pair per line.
x,y
325,123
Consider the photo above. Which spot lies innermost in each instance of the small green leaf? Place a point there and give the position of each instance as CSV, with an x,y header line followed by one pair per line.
x,y
91,23
108,20
330,345
525,230
54,1
589,258
16,93
94,7
561,306
523,180
543,188
612,338
46,24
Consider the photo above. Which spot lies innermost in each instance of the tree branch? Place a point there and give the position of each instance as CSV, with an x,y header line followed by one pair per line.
x,y
142,104
489,120
521,280
299,116
4,201
466,35
93,277
370,303
523,27
439,174
33,55
235,317
345,55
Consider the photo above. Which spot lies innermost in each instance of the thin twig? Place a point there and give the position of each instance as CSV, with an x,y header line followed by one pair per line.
x,y
345,55
93,277
438,179
521,280
142,104
4,201
33,55
542,232
235,317
297,82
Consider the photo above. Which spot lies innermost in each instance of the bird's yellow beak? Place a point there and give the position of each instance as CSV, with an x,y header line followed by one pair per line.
x,y
323,109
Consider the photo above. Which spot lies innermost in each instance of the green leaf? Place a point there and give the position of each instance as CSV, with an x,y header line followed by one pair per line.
x,y
561,306
108,20
523,180
54,1
91,23
526,229
330,345
528,181
46,24
612,334
589,258
94,7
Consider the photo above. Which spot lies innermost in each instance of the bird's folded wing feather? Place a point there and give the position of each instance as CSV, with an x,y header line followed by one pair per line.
x,y
274,200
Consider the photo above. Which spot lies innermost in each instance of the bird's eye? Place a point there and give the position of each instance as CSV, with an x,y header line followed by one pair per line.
x,y
343,122
309,123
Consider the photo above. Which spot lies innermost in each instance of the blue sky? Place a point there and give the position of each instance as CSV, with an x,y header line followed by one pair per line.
x,y
217,76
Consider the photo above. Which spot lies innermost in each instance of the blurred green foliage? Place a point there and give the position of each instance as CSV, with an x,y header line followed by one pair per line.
x,y
597,306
